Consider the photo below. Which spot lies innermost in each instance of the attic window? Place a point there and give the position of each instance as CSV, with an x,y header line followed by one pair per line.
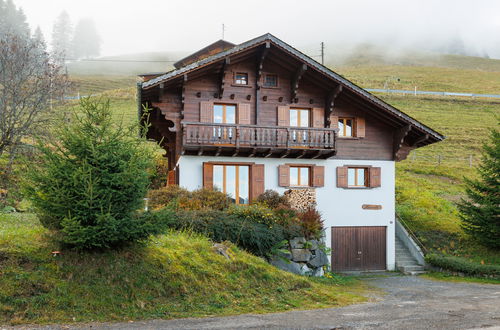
x,y
346,127
271,80
241,78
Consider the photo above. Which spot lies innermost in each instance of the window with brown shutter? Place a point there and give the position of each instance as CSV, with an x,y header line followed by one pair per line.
x,y
360,127
244,113
318,117
284,176
258,182
283,115
206,112
318,176
375,177
342,176
354,176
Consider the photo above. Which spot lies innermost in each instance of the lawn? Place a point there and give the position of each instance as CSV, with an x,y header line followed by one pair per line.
x,y
169,276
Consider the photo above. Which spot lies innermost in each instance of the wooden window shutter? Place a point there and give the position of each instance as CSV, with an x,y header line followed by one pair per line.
x,y
284,176
342,177
334,121
258,183
375,177
283,116
318,176
318,117
208,176
360,127
206,112
244,113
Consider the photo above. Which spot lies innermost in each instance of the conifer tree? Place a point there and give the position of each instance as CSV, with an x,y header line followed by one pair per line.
x,y
480,212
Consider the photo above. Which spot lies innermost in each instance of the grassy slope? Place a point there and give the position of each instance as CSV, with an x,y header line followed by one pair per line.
x,y
170,276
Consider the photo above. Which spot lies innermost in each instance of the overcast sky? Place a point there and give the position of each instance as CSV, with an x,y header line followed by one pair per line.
x,y
162,25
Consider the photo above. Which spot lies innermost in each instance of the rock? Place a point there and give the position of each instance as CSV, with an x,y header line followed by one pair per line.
x,y
221,249
304,270
301,255
314,244
297,242
289,266
318,272
319,260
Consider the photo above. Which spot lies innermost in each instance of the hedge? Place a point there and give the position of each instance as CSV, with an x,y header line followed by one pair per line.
x,y
457,264
220,226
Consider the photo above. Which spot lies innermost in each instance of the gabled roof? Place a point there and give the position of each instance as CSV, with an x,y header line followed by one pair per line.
x,y
216,47
302,57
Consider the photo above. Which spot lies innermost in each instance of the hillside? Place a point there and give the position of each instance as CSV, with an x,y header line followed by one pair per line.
x,y
170,276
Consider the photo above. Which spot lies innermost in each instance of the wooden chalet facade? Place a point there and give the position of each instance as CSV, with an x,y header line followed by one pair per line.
x,y
266,116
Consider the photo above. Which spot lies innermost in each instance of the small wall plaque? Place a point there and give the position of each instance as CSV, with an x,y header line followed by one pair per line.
x,y
371,207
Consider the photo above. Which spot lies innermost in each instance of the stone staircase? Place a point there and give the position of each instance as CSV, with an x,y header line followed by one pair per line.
x,y
405,263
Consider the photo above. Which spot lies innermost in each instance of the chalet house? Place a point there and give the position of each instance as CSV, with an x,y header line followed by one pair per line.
x,y
262,115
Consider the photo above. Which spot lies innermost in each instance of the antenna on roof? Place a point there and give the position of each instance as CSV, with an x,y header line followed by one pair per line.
x,y
223,30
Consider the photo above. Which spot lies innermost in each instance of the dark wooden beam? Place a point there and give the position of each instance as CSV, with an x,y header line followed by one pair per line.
x,y
330,103
296,79
285,153
302,154
319,153
269,153
258,74
400,150
217,153
421,139
222,76
254,150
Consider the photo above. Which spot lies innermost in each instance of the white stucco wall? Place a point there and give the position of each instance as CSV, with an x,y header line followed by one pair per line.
x,y
339,207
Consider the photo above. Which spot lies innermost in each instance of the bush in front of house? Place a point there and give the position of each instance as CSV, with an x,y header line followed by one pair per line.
x,y
311,222
89,184
272,199
462,265
256,238
182,199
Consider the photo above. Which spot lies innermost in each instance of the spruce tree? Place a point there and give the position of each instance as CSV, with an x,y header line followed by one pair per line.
x,y
480,212
90,182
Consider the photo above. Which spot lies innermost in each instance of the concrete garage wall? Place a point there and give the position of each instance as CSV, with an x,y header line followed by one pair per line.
x,y
339,207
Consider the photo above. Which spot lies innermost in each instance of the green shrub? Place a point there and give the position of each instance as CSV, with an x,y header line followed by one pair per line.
x,y
159,198
257,213
89,184
462,265
211,199
160,173
221,226
272,199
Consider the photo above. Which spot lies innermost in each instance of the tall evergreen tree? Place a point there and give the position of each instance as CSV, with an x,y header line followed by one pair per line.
x,y
480,213
86,40
13,20
61,37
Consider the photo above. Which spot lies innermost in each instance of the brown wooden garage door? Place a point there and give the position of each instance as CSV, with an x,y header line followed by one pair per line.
x,y
358,248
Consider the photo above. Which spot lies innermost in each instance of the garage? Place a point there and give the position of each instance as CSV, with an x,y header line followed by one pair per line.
x,y
358,248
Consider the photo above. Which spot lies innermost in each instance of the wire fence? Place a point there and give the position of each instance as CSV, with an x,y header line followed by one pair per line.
x,y
417,92
439,159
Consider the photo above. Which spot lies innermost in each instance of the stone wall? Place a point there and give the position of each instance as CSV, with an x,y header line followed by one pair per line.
x,y
303,257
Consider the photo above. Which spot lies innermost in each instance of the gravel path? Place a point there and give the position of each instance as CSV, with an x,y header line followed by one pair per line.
x,y
411,303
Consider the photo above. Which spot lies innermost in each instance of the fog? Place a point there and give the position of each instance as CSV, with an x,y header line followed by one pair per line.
x,y
472,27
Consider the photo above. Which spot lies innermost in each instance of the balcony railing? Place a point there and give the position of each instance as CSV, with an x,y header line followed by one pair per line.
x,y
231,135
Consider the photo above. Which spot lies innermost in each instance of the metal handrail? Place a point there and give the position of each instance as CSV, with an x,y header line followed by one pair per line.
x,y
412,234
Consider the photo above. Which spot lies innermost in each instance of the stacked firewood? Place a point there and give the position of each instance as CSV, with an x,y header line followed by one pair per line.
x,y
301,199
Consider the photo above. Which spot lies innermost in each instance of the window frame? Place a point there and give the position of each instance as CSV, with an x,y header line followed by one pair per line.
x,y
264,80
224,178
366,169
344,119
224,113
235,79
309,178
299,110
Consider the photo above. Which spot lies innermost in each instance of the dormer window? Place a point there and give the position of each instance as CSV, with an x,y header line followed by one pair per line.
x,y
241,78
271,80
346,127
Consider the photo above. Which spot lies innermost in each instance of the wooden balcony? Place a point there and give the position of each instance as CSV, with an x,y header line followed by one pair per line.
x,y
257,141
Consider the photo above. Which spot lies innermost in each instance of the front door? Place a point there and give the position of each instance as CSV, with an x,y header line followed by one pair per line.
x,y
358,248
